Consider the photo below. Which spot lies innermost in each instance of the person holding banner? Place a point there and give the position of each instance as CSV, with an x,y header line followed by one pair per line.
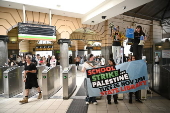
x,y
112,63
137,97
90,63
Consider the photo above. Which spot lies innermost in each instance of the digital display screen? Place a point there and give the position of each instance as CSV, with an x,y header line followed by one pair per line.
x,y
29,31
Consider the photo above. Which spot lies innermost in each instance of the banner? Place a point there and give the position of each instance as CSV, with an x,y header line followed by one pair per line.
x,y
127,77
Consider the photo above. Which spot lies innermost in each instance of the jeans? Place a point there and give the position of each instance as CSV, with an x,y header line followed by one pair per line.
x,y
137,51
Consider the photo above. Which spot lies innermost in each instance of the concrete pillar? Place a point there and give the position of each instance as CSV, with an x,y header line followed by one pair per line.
x,y
89,51
106,52
64,56
3,53
73,56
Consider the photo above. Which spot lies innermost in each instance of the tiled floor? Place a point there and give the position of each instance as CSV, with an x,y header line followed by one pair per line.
x,y
154,104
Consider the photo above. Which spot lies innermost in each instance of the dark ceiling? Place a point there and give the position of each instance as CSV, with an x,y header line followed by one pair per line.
x,y
154,10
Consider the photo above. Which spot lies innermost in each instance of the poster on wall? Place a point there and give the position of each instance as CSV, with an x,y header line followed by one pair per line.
x,y
165,53
108,80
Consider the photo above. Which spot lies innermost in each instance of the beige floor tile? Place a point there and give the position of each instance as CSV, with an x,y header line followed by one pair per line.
x,y
17,106
53,107
44,107
21,110
3,110
35,106
26,106
126,111
30,111
11,110
60,111
133,109
65,107
50,111
91,111
40,111
104,111
112,112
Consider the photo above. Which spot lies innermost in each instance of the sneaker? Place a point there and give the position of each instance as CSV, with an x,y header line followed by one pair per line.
x,y
116,102
25,100
130,101
95,103
139,100
39,96
87,103
109,102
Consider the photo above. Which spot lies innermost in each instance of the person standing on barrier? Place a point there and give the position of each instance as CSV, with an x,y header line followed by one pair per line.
x,y
112,63
137,97
30,79
90,63
137,47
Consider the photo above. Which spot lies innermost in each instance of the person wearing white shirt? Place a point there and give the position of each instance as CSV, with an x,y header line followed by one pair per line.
x,y
88,65
102,61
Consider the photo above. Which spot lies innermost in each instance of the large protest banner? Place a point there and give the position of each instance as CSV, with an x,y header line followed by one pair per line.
x,y
127,77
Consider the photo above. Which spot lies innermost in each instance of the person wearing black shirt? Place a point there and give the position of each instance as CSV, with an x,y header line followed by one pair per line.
x,y
137,49
48,61
112,63
30,79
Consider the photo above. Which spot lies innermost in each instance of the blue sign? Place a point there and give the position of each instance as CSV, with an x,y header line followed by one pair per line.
x,y
130,33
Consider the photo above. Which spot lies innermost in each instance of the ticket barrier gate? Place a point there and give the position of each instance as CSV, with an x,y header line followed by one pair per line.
x,y
12,78
33,91
2,69
51,81
39,75
69,81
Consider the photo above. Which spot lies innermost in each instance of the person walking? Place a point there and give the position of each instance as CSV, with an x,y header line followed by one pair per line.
x,y
112,63
30,79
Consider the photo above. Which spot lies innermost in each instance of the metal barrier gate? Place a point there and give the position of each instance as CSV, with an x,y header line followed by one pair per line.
x,y
2,69
51,81
12,78
69,81
33,91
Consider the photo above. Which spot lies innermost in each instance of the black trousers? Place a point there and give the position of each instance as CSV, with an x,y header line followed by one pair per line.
x,y
114,97
137,95
137,50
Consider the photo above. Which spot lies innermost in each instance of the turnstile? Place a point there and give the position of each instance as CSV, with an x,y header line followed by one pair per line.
x,y
2,69
12,78
51,81
69,81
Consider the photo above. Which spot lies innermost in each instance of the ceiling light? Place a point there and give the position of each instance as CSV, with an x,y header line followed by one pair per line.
x,y
58,6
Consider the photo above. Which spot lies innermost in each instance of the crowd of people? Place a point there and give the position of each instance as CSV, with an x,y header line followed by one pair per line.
x,y
37,60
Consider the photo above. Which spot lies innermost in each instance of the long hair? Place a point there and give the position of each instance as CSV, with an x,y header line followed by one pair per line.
x,y
112,60
139,27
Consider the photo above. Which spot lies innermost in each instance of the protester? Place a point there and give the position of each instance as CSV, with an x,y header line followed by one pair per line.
x,y
112,63
137,97
137,49
90,63
30,79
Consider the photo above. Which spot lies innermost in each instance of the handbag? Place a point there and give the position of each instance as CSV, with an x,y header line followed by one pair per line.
x,y
131,48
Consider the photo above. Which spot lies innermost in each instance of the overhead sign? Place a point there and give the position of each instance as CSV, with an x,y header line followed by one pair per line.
x,y
29,31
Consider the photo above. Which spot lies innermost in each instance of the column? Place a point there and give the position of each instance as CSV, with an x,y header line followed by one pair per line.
x,y
89,50
3,50
64,56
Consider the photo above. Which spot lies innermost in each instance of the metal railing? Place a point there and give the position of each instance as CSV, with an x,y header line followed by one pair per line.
x,y
2,69
51,81
69,81
12,79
